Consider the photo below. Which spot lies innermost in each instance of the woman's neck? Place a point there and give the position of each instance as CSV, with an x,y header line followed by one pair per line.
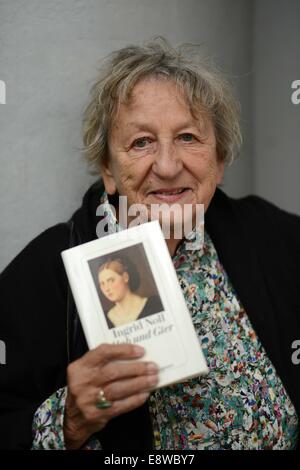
x,y
127,302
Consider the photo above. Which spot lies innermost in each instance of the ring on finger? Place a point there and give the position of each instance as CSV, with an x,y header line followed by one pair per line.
x,y
102,401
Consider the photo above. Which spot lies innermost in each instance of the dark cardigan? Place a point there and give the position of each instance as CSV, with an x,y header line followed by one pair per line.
x,y
257,243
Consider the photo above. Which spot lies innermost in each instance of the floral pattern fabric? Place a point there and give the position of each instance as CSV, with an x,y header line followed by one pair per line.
x,y
240,404
48,425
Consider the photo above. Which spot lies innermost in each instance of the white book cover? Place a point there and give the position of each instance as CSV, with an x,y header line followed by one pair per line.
x,y
126,291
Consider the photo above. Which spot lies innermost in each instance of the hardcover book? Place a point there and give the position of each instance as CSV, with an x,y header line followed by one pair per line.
x,y
126,291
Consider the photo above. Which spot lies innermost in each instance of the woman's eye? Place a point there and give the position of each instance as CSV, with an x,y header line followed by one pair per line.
x,y
141,143
187,137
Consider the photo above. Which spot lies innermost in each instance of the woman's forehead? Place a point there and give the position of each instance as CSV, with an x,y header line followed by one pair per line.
x,y
147,90
107,272
153,100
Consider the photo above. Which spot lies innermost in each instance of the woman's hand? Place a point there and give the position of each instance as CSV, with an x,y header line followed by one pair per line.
x,y
126,384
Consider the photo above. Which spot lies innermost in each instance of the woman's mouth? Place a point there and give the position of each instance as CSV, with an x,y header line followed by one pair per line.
x,y
170,194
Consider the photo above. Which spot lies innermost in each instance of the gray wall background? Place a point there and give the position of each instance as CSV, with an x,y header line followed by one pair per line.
x,y
49,51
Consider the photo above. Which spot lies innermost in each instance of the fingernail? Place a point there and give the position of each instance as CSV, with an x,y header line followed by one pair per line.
x,y
138,350
152,368
153,380
144,395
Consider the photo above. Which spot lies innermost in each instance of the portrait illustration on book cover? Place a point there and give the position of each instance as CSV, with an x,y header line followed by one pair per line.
x,y
125,285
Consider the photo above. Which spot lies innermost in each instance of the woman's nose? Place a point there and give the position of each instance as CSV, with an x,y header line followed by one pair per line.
x,y
167,163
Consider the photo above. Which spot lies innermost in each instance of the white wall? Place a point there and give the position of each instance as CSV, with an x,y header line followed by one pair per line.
x,y
276,120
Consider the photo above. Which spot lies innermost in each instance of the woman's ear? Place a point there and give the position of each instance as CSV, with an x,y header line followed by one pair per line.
x,y
126,277
108,177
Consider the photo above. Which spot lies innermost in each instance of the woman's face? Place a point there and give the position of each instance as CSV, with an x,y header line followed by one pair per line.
x,y
113,285
158,152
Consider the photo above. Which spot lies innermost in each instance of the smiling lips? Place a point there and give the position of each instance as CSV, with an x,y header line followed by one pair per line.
x,y
169,194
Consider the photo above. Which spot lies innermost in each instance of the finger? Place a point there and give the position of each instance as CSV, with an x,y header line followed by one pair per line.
x,y
114,371
118,407
109,352
122,389
128,404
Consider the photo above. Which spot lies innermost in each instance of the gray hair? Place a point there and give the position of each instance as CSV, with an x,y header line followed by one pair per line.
x,y
205,90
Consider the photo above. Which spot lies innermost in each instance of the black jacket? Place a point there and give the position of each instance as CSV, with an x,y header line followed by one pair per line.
x,y
257,243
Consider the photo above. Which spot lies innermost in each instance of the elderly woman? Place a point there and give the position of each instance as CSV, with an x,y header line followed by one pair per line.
x,y
160,128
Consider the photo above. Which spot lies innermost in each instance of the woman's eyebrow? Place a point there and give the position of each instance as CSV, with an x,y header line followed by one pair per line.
x,y
138,125
107,279
146,126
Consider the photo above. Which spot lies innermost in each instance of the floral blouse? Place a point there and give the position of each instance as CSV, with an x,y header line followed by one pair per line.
x,y
240,404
